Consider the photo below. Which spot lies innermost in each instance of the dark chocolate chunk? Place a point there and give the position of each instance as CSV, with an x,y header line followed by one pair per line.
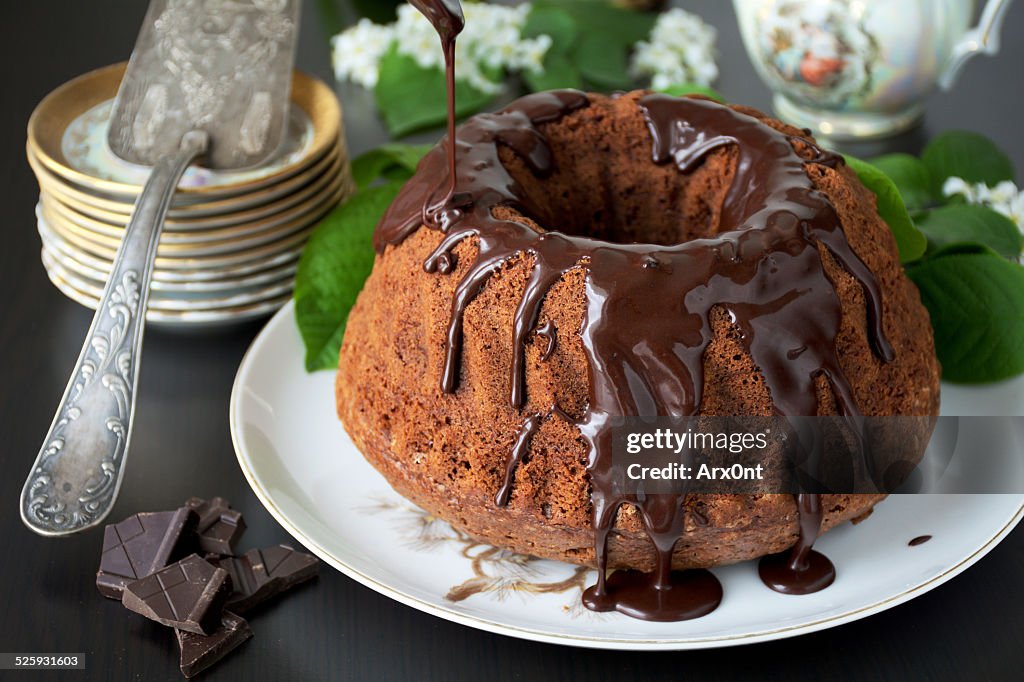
x,y
189,595
140,545
199,652
264,573
219,527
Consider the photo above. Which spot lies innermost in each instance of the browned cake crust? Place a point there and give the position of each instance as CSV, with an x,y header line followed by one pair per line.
x,y
448,452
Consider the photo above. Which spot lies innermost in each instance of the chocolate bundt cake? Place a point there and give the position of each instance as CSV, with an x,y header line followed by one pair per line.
x,y
601,256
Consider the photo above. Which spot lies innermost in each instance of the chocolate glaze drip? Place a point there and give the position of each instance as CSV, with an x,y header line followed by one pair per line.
x,y
548,332
801,570
919,540
764,268
522,444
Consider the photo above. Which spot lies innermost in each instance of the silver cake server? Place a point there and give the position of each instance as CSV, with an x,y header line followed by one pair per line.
x,y
207,78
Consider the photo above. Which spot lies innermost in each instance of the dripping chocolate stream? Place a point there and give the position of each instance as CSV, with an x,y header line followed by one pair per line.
x,y
448,20
764,268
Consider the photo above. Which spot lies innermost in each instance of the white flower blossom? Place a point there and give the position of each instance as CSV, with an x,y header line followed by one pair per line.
x,y
529,55
491,44
680,49
1015,210
1005,197
1002,194
357,52
958,186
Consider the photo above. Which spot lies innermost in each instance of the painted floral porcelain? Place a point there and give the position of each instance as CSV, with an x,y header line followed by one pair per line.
x,y
851,69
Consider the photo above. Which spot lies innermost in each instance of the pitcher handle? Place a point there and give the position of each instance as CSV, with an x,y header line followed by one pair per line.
x,y
983,38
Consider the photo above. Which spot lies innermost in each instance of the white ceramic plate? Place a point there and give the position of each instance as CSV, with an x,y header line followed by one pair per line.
x,y
306,471
172,289
53,243
183,320
164,302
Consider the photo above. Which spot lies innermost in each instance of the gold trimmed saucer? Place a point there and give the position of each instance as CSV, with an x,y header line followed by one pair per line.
x,y
261,202
63,106
208,262
167,302
205,241
191,319
232,240
180,288
281,259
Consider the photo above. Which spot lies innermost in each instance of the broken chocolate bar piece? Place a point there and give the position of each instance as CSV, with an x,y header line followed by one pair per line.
x,y
219,527
188,595
261,574
199,652
140,545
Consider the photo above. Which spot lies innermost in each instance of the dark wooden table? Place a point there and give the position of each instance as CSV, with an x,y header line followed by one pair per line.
x,y
971,628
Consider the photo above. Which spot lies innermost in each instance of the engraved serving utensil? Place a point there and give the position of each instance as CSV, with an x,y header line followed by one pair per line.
x,y
207,78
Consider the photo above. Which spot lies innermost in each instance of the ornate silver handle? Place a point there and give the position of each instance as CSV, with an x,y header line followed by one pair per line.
x,y
77,474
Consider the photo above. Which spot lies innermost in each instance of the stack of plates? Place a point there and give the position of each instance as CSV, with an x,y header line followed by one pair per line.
x,y
231,242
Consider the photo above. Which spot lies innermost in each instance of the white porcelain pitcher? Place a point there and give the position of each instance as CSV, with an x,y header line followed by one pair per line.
x,y
856,69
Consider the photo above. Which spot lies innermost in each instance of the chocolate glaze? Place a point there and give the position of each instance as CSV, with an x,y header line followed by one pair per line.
x,y
526,432
919,540
801,570
764,268
686,595
548,332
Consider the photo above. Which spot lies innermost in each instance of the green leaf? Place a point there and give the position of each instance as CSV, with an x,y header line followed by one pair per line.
x,y
554,22
334,264
559,72
961,248
962,154
684,89
392,161
910,176
967,223
910,241
412,98
603,62
618,25
976,302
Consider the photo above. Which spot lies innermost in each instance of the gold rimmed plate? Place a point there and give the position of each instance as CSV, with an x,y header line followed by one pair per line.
x,y
202,241
287,257
86,238
211,301
62,107
178,288
216,266
188,320
221,213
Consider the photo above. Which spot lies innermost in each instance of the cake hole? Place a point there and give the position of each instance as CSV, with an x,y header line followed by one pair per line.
x,y
620,195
